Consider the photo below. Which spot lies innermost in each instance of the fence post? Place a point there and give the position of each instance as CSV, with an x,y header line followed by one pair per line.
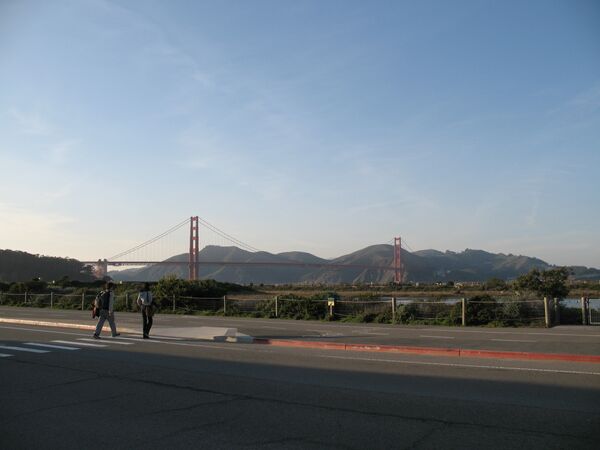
x,y
583,315
173,302
224,304
546,313
276,309
126,301
393,309
51,300
556,312
25,296
82,299
463,302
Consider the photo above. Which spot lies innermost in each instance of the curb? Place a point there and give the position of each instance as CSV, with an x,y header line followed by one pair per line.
x,y
431,351
42,323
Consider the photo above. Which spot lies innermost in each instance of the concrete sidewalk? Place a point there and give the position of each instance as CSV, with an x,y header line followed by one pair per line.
x,y
126,323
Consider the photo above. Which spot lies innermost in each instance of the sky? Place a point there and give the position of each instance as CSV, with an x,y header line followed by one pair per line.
x,y
317,126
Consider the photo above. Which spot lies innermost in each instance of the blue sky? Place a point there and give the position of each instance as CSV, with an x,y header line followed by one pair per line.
x,y
320,126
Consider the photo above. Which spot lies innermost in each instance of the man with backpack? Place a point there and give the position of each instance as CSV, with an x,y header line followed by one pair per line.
x,y
105,302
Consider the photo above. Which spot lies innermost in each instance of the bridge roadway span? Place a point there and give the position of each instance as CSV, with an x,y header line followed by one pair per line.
x,y
243,263
166,393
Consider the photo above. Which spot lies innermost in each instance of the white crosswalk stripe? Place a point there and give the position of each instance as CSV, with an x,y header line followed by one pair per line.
x,y
85,344
58,347
22,349
4,355
131,339
106,341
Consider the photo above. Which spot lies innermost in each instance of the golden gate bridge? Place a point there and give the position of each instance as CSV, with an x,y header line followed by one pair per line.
x,y
193,261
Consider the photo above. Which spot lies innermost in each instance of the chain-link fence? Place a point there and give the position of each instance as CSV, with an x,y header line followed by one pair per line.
x,y
445,312
594,311
506,313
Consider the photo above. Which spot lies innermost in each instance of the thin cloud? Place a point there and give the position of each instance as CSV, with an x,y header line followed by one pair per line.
x,y
60,152
30,123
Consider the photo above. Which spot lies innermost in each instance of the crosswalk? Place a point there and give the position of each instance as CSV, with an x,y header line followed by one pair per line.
x,y
7,351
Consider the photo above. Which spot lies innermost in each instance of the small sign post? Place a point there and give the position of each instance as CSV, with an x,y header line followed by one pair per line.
x,y
331,305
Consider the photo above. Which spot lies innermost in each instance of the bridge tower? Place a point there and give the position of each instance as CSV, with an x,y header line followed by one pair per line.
x,y
101,269
398,267
194,243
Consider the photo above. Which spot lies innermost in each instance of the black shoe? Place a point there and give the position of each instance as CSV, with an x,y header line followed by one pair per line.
x,y
146,337
96,336
116,334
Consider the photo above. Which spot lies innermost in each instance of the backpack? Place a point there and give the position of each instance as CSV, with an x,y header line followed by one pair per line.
x,y
102,300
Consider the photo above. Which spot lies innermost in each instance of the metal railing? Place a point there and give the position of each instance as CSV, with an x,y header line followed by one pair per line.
x,y
454,311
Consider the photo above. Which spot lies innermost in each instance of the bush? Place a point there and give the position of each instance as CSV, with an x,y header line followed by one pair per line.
x,y
481,313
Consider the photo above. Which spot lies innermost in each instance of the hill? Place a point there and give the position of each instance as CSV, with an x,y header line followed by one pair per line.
x,y
421,266
23,266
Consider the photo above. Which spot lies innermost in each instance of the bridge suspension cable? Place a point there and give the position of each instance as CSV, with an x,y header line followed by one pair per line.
x,y
150,241
228,237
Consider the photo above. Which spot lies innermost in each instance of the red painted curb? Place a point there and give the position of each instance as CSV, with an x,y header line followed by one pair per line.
x,y
303,344
403,349
431,351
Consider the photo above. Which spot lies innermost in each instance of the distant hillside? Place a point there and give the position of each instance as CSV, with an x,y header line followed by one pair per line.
x,y
421,266
22,266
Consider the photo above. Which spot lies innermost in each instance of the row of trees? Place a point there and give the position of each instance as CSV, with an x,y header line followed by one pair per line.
x,y
543,283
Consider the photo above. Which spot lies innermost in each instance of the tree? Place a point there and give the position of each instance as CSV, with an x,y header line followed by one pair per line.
x,y
550,283
495,284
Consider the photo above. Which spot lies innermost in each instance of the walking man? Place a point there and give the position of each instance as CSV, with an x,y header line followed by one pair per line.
x,y
106,302
144,301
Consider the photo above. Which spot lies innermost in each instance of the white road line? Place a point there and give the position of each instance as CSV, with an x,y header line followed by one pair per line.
x,y
59,347
79,343
184,344
105,341
437,337
120,338
524,332
170,338
367,331
37,330
23,349
469,366
4,355
511,340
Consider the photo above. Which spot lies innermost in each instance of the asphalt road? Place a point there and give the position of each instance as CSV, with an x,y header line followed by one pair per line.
x,y
562,339
164,393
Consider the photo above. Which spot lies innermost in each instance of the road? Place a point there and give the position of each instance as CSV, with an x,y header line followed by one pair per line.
x,y
563,339
164,393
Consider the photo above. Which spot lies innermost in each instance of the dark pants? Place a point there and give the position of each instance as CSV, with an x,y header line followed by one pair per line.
x,y
146,320
111,321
